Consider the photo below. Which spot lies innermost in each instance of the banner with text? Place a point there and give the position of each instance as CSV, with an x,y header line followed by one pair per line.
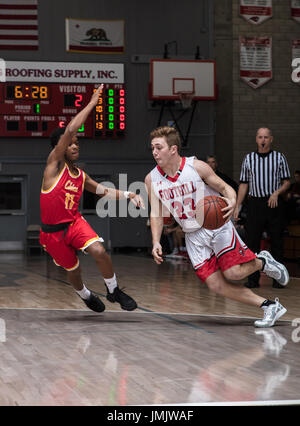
x,y
256,60
295,10
296,60
68,72
89,36
256,11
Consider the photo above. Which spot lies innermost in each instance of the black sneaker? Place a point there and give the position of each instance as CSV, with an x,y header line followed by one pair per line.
x,y
127,303
94,303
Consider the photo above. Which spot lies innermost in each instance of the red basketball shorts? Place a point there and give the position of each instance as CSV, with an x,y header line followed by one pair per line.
x,y
63,245
210,250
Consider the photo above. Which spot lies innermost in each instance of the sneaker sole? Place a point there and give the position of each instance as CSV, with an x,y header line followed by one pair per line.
x,y
284,272
278,315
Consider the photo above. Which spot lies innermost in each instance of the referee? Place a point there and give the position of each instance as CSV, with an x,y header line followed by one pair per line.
x,y
264,177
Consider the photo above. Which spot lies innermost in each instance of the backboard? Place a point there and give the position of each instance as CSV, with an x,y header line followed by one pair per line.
x,y
170,78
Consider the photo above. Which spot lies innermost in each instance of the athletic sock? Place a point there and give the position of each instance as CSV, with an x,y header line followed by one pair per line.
x,y
111,283
266,303
84,293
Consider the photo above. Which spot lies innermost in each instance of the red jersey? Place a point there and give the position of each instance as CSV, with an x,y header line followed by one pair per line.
x,y
60,203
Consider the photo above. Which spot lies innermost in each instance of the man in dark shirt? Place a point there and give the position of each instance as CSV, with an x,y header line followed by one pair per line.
x,y
212,162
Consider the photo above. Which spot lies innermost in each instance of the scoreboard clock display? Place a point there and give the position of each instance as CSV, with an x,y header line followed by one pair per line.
x,y
35,109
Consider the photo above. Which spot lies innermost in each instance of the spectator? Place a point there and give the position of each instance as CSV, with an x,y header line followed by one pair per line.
x,y
265,178
293,198
212,162
178,243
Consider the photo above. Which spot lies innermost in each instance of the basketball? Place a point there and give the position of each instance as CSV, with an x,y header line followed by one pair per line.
x,y
209,213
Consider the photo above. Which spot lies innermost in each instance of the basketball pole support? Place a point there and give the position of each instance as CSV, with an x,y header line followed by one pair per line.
x,y
185,136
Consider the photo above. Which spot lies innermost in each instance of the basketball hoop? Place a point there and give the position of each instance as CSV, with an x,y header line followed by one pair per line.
x,y
186,99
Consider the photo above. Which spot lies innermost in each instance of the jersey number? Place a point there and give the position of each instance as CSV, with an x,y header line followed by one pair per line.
x,y
184,210
69,201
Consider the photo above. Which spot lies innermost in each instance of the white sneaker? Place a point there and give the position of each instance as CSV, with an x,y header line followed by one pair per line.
x,y
173,254
273,380
274,269
273,341
271,314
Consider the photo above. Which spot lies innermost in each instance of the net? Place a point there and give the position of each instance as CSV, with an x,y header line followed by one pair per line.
x,y
186,99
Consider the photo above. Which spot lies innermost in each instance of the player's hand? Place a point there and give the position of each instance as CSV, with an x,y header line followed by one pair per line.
x,y
95,96
229,209
137,200
157,253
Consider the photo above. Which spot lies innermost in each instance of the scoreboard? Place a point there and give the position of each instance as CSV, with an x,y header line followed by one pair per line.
x,y
36,98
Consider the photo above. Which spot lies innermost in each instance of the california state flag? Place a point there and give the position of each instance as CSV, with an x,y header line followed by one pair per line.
x,y
88,36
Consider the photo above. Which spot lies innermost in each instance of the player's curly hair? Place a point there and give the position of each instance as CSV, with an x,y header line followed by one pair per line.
x,y
169,133
55,135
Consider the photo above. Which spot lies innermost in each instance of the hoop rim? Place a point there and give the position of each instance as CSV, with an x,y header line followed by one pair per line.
x,y
186,98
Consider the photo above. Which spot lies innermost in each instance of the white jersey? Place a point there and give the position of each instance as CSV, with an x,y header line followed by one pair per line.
x,y
180,194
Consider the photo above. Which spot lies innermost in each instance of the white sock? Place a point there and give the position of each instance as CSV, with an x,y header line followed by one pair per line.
x,y
111,283
84,293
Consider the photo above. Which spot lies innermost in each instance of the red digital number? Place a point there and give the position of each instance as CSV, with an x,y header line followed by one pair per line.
x,y
78,101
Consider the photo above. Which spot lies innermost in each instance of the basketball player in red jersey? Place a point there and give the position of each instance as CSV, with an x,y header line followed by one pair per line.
x,y
217,255
64,231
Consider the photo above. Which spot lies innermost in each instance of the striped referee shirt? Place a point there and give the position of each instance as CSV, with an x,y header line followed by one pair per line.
x,y
264,172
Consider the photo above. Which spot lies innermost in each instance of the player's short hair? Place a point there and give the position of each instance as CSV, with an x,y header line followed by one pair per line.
x,y
55,136
169,133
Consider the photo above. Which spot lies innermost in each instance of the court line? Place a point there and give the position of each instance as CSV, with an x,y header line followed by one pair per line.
x,y
167,316
140,311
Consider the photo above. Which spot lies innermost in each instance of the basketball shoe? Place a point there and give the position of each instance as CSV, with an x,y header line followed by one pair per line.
x,y
273,341
271,314
126,302
274,269
94,303
273,380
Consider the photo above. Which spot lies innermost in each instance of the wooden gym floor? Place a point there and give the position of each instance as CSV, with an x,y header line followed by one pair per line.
x,y
183,345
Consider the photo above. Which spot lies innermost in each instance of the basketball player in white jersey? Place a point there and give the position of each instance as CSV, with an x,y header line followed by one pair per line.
x,y
216,255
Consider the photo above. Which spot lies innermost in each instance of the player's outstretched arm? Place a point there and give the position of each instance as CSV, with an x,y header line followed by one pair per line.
x,y
81,117
56,159
156,221
112,193
58,152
